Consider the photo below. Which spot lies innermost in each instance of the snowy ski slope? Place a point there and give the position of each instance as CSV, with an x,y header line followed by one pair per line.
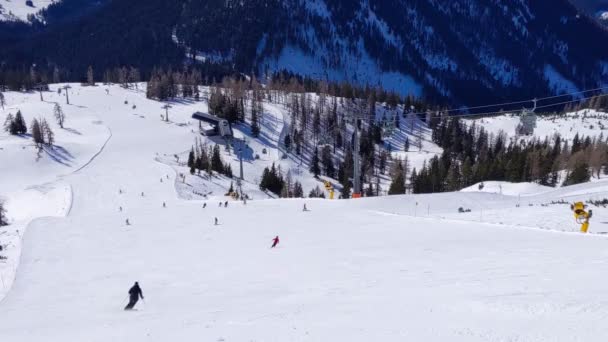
x,y
391,268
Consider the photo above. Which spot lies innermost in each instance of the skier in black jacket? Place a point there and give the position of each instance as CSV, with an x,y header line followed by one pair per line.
x,y
134,294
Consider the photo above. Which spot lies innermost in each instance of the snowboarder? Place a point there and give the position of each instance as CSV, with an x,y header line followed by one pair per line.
x,y
134,295
216,221
275,241
305,209
204,205
128,223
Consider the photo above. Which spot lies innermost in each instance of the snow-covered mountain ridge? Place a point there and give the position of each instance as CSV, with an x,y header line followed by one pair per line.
x,y
458,51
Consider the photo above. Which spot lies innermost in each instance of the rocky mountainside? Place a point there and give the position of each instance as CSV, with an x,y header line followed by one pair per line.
x,y
458,51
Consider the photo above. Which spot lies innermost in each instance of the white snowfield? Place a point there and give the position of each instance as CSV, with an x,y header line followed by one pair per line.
x,y
585,123
404,268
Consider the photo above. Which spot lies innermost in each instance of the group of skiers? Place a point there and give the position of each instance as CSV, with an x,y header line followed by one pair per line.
x,y
135,292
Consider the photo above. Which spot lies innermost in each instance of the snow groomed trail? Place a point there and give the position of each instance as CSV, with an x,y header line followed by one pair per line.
x,y
344,271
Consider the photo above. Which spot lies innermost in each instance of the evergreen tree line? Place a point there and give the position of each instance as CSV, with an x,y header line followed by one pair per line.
x,y
42,133
208,159
15,125
471,156
168,84
285,187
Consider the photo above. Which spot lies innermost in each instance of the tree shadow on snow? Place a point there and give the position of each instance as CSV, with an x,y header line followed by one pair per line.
x,y
73,131
59,155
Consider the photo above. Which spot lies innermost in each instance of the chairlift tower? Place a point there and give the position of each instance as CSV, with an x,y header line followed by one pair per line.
x,y
166,108
67,95
40,87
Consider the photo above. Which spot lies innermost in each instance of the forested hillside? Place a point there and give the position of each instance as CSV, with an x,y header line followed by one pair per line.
x,y
457,52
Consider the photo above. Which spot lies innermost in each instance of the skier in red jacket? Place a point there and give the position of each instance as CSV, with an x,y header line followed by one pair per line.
x,y
275,241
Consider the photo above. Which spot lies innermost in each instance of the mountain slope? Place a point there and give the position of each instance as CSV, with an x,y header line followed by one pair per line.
x,y
461,51
349,270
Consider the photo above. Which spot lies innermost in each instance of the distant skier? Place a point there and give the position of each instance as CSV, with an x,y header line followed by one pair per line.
x,y
161,180
204,205
120,191
220,204
128,223
134,295
164,205
275,241
216,221
120,208
226,204
305,209
142,194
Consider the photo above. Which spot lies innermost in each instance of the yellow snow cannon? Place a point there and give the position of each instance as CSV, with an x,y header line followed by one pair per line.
x,y
330,188
581,215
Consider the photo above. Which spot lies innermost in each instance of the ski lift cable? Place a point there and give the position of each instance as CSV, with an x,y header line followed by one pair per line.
x,y
540,99
514,111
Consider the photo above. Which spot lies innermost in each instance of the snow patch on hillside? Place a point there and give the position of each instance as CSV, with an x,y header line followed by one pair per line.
x,y
558,83
358,69
507,188
18,10
587,122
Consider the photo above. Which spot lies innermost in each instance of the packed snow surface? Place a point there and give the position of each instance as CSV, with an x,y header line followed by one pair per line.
x,y
391,268
506,188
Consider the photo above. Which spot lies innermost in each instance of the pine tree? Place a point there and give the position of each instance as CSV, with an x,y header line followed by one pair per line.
x,y
217,164
316,123
37,132
191,158
2,100
255,126
298,192
9,123
59,114
90,77
345,192
406,146
579,174
3,219
314,164
397,186
47,133
326,160
20,126
453,178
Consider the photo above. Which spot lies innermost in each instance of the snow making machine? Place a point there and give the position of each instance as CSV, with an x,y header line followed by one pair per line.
x,y
215,125
581,215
